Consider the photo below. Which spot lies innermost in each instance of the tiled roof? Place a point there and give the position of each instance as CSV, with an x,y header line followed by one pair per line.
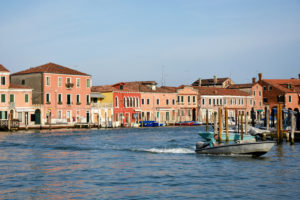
x,y
136,86
3,69
206,82
51,68
13,86
239,86
220,91
282,84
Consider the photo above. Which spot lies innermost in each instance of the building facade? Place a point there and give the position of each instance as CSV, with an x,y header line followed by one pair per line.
x,y
64,93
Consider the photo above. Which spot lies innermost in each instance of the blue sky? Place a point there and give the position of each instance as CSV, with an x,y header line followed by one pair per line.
x,y
130,40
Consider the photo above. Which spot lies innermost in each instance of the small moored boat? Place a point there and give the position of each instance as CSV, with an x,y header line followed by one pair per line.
x,y
254,149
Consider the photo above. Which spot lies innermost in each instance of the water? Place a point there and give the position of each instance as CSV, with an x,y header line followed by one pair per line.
x,y
146,163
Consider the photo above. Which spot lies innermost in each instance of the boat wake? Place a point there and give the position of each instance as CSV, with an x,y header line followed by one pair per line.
x,y
171,150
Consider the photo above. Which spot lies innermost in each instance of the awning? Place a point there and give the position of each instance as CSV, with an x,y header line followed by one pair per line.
x,y
259,110
97,95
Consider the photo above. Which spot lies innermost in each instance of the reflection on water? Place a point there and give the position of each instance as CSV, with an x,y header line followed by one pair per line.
x,y
146,163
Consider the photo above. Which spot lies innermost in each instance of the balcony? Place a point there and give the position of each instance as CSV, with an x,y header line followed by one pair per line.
x,y
101,105
69,85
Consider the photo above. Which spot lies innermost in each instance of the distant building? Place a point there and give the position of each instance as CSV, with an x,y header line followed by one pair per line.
x,y
16,100
187,103
214,82
61,95
281,91
253,89
211,99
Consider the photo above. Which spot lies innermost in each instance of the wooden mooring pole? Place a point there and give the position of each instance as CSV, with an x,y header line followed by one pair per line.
x,y
207,120
215,123
246,123
277,125
293,126
242,136
280,123
220,125
226,124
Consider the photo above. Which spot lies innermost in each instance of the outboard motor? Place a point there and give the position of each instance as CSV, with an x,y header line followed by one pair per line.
x,y
200,145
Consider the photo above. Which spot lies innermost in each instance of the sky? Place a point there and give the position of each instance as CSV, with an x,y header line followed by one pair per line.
x,y
172,42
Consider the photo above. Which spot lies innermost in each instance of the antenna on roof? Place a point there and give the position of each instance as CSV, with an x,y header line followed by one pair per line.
x,y
163,82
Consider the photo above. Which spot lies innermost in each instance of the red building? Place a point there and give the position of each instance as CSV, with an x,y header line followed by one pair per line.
x,y
126,98
281,91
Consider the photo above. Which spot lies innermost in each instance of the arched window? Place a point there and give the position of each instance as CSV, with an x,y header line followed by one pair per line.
x,y
137,102
134,102
128,102
124,102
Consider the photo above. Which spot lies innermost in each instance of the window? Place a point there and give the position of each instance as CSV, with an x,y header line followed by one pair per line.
x,y
250,101
59,81
203,101
173,101
148,101
157,101
47,98
68,80
68,99
117,102
23,82
3,114
209,101
87,99
3,80
143,101
214,102
11,98
77,99
270,88
77,82
231,102
217,101
220,101
59,98
2,98
88,83
224,101
182,100
167,101
265,100
59,114
137,102
290,98
20,116
182,112
254,103
239,101
265,88
242,101
26,98
259,93
178,99
189,113
47,80
189,99
194,99
254,93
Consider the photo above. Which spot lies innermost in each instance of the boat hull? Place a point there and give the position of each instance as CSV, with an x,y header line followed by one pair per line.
x,y
254,149
232,136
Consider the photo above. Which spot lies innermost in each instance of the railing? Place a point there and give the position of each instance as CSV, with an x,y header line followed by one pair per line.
x,y
101,105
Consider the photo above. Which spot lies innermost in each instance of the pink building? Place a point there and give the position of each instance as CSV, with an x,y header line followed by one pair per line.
x,y
187,103
238,102
16,100
61,95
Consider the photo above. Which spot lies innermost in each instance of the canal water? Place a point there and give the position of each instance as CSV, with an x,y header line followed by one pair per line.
x,y
144,163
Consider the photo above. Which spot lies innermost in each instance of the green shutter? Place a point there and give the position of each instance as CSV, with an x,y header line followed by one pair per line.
x,y
26,98
3,98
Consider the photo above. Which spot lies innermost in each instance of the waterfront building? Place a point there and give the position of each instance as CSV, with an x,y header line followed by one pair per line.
x,y
61,95
187,103
281,91
15,103
256,90
238,102
125,98
214,82
157,103
102,107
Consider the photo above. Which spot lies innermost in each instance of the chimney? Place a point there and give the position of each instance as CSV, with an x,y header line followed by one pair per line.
x,y
200,81
253,80
215,80
260,76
